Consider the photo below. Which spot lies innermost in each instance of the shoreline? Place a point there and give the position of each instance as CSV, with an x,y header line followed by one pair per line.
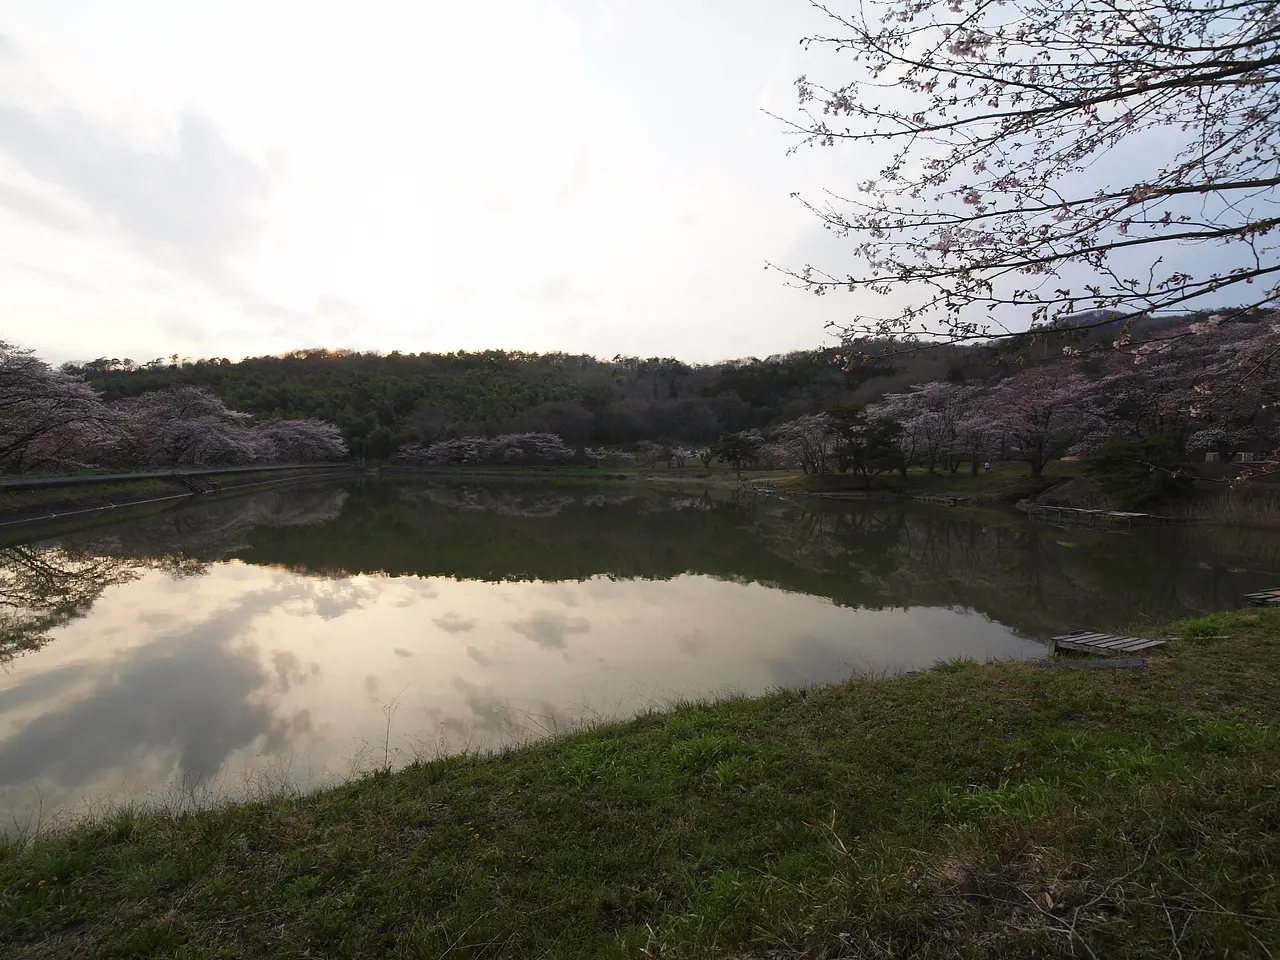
x,y
130,496
967,809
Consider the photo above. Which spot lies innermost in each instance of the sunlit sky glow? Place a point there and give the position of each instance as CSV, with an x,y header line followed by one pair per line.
x,y
243,178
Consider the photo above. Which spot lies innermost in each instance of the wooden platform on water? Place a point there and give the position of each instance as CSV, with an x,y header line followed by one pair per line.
x,y
1102,644
1264,598
1094,518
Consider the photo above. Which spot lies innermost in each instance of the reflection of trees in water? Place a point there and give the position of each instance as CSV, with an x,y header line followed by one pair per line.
x,y
213,529
43,587
505,501
1034,578
46,584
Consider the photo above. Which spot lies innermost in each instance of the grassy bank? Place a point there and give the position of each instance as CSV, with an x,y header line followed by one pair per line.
x,y
1005,483
968,811
13,500
1258,509
22,504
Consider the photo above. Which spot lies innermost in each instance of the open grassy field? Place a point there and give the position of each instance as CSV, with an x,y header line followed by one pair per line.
x,y
1004,810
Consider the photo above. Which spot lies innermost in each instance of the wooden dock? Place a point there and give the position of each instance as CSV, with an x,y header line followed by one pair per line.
x,y
1102,644
1264,598
1094,518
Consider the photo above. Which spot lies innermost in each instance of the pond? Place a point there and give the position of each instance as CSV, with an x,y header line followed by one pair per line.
x,y
301,635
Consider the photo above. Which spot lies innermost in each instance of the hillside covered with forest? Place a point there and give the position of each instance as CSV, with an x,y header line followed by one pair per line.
x,y
380,401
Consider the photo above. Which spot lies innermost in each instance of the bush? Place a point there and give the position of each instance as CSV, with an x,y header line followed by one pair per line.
x,y
1137,474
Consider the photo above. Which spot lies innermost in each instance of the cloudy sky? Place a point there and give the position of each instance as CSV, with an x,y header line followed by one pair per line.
x,y
238,178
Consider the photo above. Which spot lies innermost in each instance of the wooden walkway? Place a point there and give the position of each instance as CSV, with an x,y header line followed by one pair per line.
x,y
1264,598
1102,644
1094,518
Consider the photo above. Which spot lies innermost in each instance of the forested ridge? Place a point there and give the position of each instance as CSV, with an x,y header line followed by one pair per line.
x,y
382,400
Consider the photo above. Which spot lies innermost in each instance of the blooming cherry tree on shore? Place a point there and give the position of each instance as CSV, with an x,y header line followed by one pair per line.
x,y
183,425
523,449
298,441
1040,412
809,441
47,418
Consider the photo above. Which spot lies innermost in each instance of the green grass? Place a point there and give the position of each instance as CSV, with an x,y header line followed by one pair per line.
x,y
968,811
1006,483
21,499
38,496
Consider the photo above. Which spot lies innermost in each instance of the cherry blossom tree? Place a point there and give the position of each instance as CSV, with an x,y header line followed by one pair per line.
x,y
996,122
609,455
810,441
299,441
976,431
1235,388
531,449
183,425
47,418
519,449
930,415
1208,385
1039,410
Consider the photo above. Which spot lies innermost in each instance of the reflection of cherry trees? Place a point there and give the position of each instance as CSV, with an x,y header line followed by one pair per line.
x,y
1031,578
48,584
42,588
506,503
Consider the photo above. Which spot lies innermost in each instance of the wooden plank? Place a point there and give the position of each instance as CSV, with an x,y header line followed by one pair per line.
x,y
1105,644
1105,648
1106,641
1143,645
1115,643
1073,633
1101,637
1122,642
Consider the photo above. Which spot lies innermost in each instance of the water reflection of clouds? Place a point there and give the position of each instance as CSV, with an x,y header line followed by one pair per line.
x,y
485,659
253,662
328,599
175,694
191,696
452,623
550,629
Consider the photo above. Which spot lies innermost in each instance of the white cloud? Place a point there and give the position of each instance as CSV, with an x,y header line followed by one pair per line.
x,y
535,175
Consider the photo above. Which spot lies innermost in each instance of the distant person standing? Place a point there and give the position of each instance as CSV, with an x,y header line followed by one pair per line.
x,y
986,467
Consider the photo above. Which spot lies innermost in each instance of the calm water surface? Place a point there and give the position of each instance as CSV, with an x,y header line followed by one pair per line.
x,y
303,634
